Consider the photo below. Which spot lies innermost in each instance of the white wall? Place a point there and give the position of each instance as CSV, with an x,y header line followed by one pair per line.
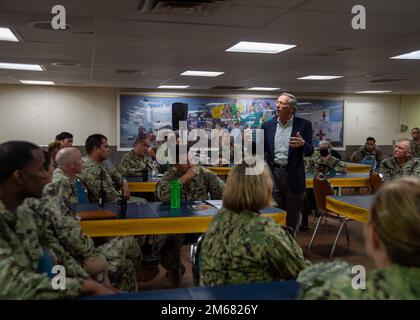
x,y
38,113
371,116
410,113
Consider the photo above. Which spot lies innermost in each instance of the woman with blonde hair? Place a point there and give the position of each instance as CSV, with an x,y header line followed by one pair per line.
x,y
242,246
392,241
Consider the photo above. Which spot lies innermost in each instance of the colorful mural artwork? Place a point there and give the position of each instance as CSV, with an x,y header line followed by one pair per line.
x,y
142,115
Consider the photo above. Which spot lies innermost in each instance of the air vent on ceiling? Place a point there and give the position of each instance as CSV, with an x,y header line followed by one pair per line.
x,y
331,51
130,71
375,75
228,88
386,80
65,64
46,25
182,7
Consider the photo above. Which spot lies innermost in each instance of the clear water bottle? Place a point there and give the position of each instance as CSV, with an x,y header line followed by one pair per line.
x,y
154,170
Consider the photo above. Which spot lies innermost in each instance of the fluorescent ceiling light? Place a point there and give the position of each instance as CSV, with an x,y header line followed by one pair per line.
x,y
20,66
316,77
263,89
411,55
37,82
7,35
173,87
201,73
374,91
260,47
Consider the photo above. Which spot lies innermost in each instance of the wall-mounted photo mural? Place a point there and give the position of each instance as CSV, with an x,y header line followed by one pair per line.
x,y
142,115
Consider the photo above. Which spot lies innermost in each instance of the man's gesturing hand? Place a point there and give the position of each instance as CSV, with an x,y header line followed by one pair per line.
x,y
296,142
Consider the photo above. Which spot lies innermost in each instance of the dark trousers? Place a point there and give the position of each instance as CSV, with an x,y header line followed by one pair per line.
x,y
309,205
285,197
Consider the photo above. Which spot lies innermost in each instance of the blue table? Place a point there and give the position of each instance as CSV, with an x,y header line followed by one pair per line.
x,y
156,218
277,290
354,207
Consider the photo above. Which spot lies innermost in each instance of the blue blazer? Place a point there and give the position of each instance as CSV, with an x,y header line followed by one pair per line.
x,y
295,164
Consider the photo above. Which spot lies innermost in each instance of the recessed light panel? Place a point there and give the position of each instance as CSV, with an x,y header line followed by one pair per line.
x,y
201,73
317,77
260,47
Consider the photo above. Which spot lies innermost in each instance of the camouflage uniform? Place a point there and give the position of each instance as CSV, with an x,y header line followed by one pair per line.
x,y
390,169
20,252
203,183
132,165
363,153
90,176
34,208
333,280
199,187
61,186
112,181
312,163
123,254
246,247
416,149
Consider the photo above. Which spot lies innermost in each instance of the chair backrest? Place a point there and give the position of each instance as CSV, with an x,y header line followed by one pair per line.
x,y
46,262
81,192
375,181
369,160
157,198
195,259
322,189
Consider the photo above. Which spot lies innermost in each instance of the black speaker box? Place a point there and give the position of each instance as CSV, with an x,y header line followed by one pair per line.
x,y
179,113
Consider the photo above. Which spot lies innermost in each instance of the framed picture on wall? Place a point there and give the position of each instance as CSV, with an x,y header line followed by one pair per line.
x,y
327,117
142,114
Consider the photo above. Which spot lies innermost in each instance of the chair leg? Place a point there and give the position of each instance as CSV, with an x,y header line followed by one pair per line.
x,y
299,222
337,237
315,231
347,233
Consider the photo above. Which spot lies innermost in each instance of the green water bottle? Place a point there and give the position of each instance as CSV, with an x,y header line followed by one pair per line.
x,y
175,194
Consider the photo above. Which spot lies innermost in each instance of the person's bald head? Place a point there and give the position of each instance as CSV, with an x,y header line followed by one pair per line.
x,y
69,160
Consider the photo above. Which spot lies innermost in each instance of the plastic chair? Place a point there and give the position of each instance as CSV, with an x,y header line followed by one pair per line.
x,y
322,188
81,192
46,262
195,259
371,161
375,181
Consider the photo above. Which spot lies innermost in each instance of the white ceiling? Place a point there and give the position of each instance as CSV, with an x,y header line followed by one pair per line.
x,y
107,35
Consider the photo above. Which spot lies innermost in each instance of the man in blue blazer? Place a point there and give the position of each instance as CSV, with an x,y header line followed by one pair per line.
x,y
287,139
